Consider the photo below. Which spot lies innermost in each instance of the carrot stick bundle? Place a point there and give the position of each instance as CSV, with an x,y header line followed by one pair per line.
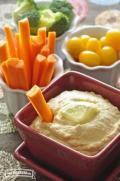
x,y
10,41
25,44
3,51
39,103
42,35
48,71
51,41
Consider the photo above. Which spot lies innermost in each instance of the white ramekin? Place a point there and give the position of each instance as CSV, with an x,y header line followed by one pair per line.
x,y
15,98
108,74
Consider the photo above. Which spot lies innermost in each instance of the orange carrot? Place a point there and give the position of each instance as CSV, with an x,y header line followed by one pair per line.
x,y
10,41
3,51
51,41
39,103
12,75
17,74
38,66
5,74
36,45
45,51
48,71
18,46
26,49
42,35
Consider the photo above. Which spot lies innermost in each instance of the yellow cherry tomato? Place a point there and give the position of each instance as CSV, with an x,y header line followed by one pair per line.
x,y
103,41
93,44
113,39
89,58
108,55
84,39
74,47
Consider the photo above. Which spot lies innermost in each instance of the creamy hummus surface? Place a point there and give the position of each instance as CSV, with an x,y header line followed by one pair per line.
x,y
83,121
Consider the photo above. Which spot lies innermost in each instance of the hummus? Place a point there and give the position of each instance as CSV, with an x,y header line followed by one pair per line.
x,y
83,121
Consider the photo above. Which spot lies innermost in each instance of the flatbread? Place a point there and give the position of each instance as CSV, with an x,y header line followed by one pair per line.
x,y
110,18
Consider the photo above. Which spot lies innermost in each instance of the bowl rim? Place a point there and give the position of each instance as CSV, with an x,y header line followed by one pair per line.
x,y
71,60
34,133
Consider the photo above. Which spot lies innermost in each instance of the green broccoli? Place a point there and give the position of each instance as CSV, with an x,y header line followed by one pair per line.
x,y
34,20
54,21
56,16
47,18
60,25
23,7
62,6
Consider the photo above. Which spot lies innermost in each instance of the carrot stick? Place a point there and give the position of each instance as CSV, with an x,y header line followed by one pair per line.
x,y
10,41
45,51
12,75
5,74
25,44
39,103
18,46
51,41
48,71
22,77
3,51
17,74
38,68
36,45
42,35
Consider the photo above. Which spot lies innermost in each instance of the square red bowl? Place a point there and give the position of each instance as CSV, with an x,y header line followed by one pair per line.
x,y
115,174
22,154
68,161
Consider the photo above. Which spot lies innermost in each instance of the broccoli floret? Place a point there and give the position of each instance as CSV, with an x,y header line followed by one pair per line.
x,y
23,6
34,20
62,6
54,21
47,18
60,25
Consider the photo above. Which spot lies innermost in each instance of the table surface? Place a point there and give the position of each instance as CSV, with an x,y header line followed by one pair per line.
x,y
10,141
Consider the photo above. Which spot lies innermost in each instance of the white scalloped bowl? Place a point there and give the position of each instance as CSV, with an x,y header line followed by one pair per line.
x,y
108,74
15,98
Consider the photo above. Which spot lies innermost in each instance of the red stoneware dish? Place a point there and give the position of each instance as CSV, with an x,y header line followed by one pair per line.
x,y
115,174
68,161
22,154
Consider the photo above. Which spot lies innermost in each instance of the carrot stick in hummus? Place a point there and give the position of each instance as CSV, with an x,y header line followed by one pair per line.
x,y
39,103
